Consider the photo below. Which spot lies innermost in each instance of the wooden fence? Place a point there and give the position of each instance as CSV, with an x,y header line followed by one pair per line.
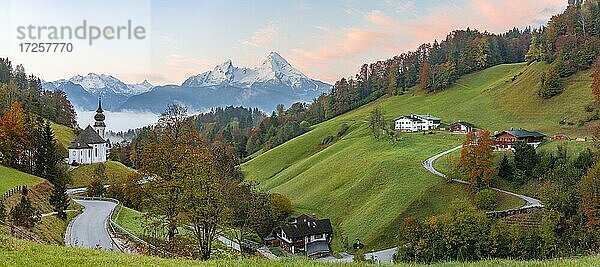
x,y
507,213
12,191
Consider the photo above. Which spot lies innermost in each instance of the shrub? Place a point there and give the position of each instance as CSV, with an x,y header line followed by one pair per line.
x,y
2,212
486,199
327,140
343,130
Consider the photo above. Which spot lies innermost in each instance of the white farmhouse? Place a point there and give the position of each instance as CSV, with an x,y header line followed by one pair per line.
x,y
91,146
415,123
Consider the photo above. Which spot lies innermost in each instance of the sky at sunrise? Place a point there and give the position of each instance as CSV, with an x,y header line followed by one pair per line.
x,y
325,40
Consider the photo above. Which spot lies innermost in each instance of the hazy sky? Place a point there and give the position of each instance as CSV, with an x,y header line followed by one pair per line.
x,y
324,39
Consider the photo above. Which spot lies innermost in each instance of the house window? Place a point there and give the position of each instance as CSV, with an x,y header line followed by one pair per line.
x,y
96,151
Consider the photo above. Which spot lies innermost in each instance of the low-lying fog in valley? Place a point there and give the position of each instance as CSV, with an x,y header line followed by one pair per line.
x,y
118,121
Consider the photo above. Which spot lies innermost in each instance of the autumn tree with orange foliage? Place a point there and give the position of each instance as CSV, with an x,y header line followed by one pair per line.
x,y
13,135
596,80
476,159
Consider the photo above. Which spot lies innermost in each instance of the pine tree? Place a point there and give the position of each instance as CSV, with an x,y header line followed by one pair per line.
x,y
505,170
46,153
525,157
24,214
59,198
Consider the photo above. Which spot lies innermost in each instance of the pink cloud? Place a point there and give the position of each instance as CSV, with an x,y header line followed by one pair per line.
x,y
261,37
377,17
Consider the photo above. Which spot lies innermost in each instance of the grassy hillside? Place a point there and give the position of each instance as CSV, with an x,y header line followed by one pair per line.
x,y
15,252
10,178
63,134
50,229
366,186
82,176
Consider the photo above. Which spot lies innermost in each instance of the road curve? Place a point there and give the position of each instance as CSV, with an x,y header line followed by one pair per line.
x,y
428,164
88,230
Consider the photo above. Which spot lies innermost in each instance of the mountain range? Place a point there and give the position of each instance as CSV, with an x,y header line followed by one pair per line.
x,y
273,82
83,91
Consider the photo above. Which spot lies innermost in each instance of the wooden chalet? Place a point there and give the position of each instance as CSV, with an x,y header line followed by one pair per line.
x,y
305,235
462,127
505,141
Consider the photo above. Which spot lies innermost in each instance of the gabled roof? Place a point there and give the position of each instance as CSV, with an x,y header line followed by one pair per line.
x,y
415,117
428,117
464,123
85,138
411,118
306,225
521,133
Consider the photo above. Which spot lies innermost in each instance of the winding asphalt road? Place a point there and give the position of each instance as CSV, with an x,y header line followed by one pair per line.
x,y
89,228
428,164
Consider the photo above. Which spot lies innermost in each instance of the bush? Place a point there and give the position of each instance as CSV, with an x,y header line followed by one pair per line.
x,y
327,140
486,199
2,213
343,130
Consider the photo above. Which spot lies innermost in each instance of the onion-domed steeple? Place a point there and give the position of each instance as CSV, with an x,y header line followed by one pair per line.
x,y
99,117
99,125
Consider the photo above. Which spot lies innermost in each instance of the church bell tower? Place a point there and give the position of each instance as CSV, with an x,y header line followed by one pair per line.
x,y
99,125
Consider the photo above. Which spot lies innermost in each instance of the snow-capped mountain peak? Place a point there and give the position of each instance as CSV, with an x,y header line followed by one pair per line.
x,y
139,88
274,69
96,83
103,84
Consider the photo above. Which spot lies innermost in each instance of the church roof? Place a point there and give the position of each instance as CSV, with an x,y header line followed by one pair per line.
x,y
85,138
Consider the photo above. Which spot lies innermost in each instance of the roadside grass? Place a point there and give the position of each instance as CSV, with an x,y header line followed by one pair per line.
x,y
83,175
365,185
10,178
131,220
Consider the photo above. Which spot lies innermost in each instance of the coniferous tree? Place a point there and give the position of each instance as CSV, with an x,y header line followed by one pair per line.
x,y
47,157
525,157
24,214
505,170
60,199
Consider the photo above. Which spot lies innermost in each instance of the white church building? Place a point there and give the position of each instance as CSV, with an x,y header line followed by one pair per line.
x,y
91,145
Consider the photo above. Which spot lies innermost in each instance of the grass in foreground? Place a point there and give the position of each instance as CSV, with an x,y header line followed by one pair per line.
x,y
83,176
16,252
366,186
